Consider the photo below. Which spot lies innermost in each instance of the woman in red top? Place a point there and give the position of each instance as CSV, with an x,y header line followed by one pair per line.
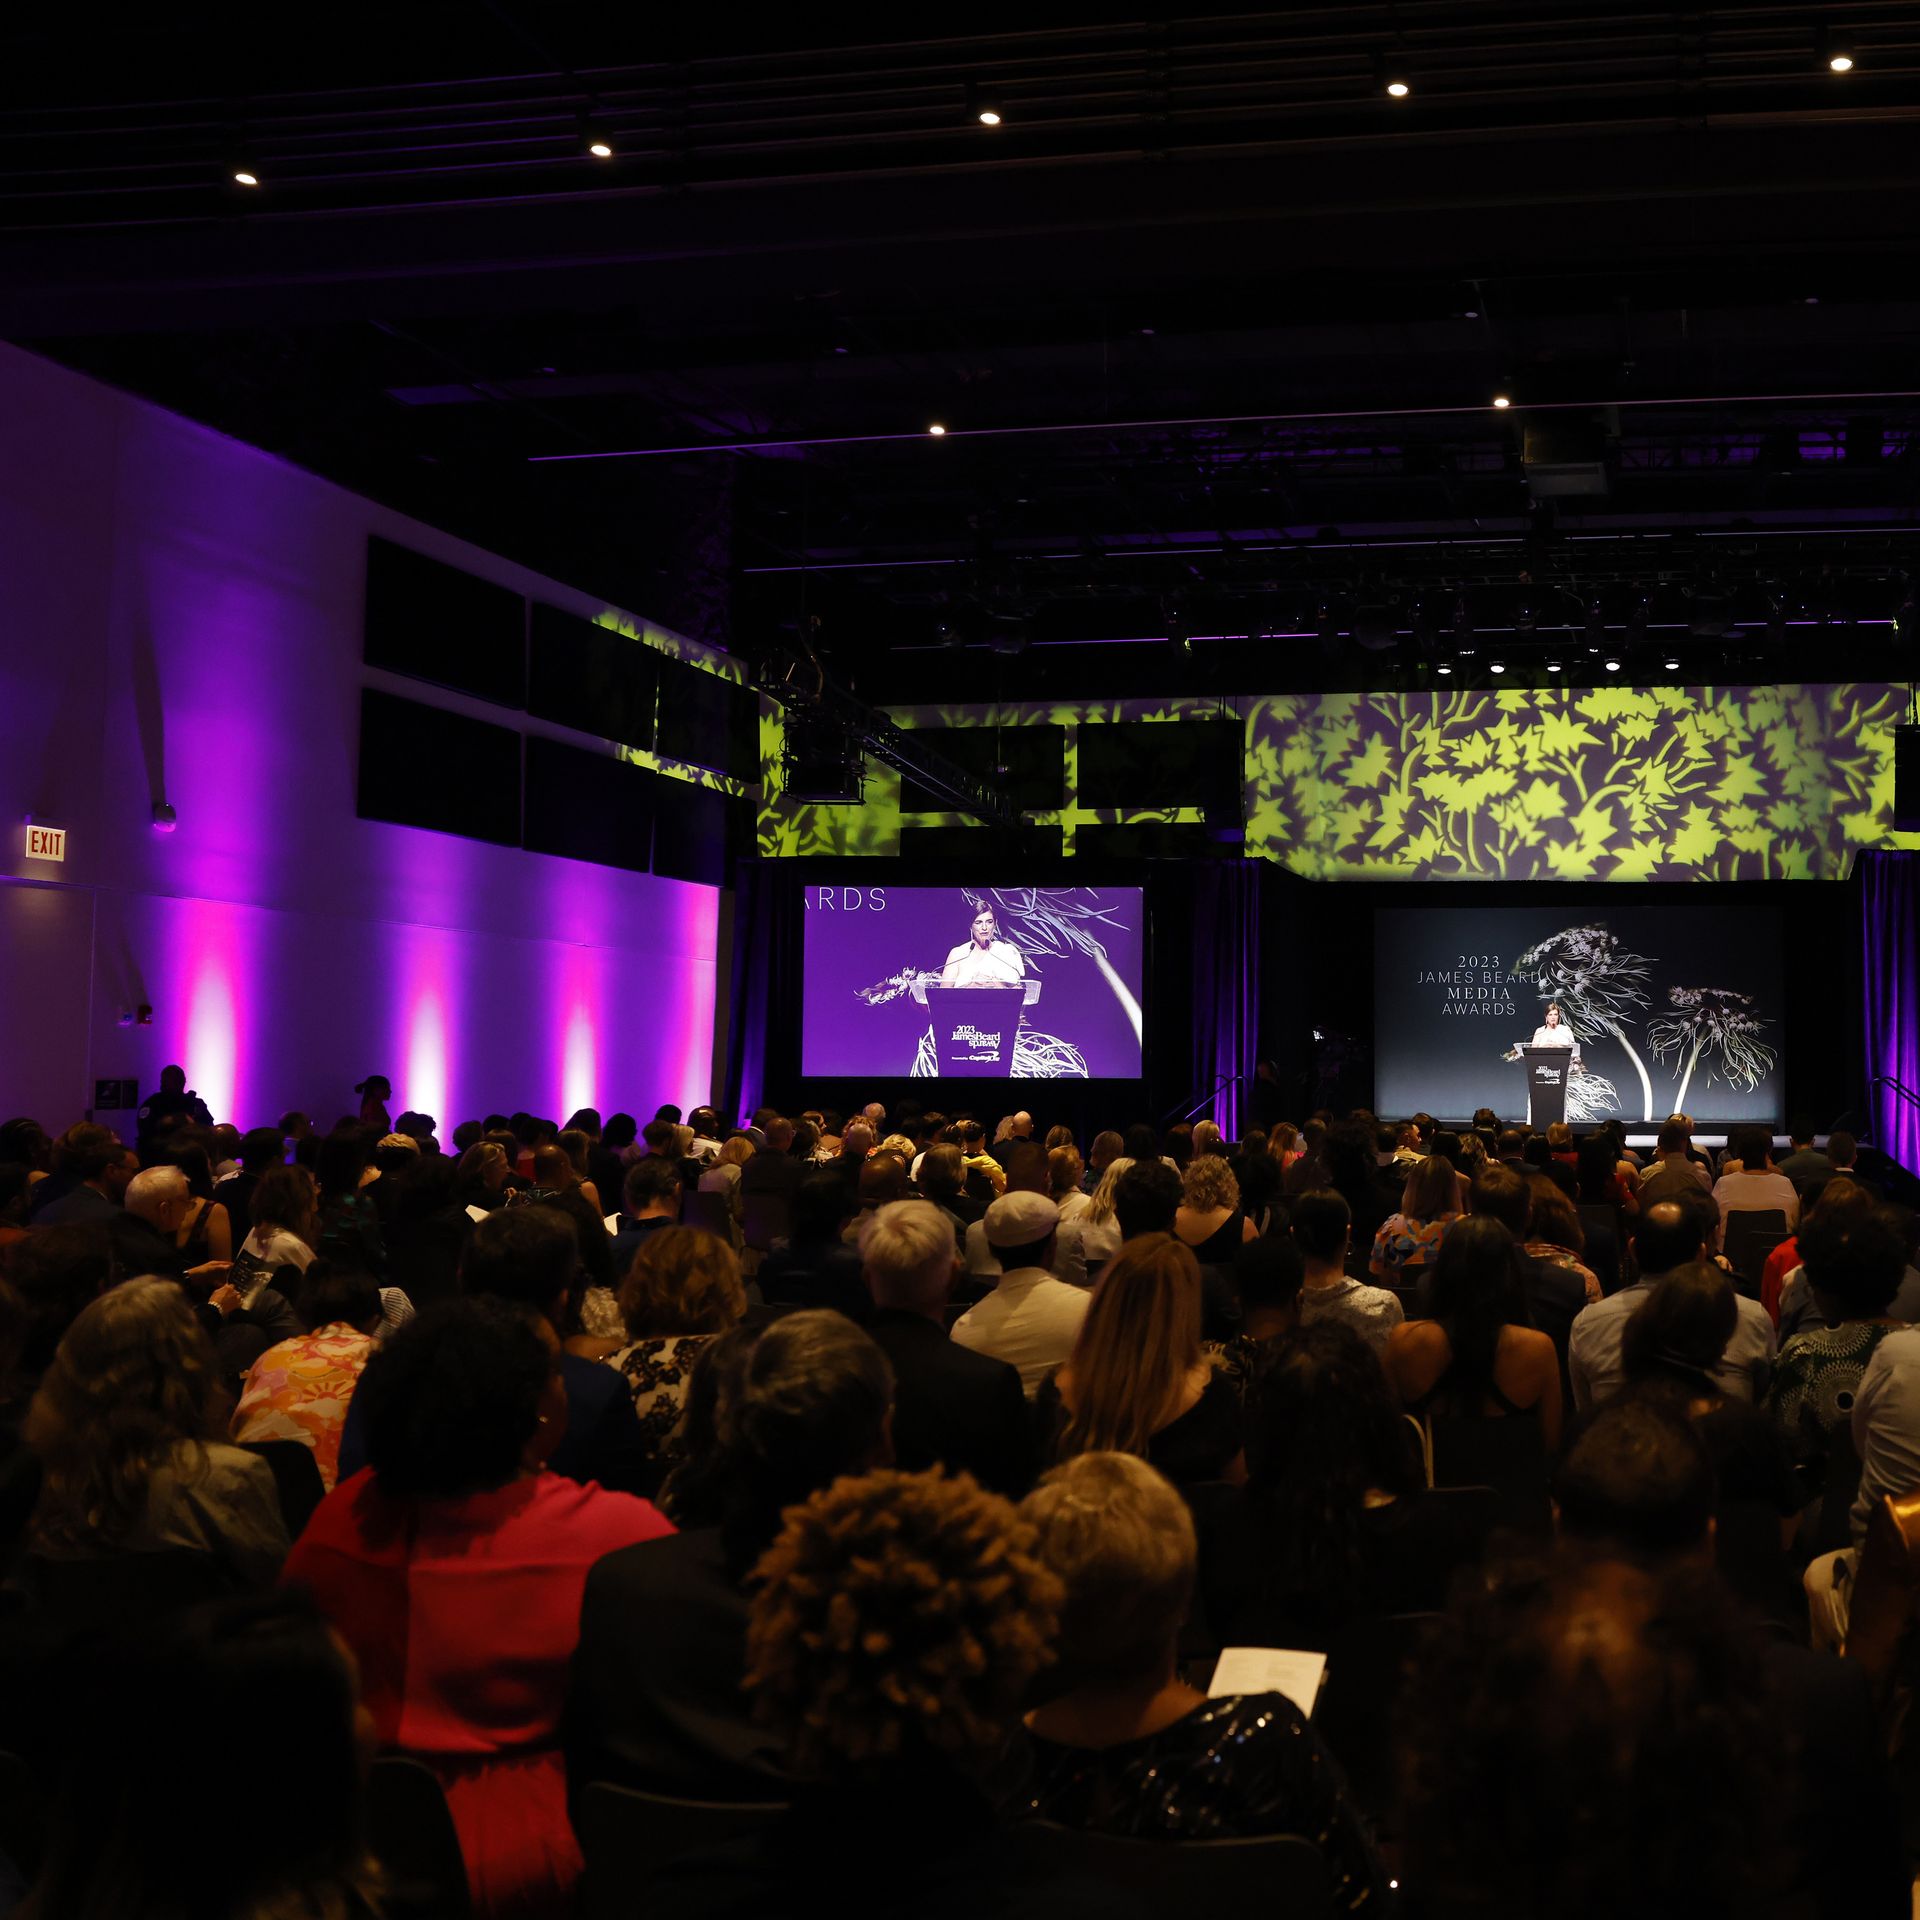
x,y
453,1566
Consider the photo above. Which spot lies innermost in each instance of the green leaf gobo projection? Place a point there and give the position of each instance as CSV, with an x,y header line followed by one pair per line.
x,y
1602,783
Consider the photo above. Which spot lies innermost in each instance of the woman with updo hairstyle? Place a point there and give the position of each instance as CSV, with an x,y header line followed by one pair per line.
x,y
1209,1218
898,1623
128,1426
452,1566
1127,1747
1138,1380
683,1287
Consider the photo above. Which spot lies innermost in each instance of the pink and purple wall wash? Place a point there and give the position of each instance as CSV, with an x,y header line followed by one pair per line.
x,y
183,626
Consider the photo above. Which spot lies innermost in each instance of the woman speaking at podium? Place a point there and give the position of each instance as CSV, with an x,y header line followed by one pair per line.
x,y
983,959
1551,1032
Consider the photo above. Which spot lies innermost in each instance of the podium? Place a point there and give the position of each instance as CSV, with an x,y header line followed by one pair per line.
x,y
974,1027
1547,1069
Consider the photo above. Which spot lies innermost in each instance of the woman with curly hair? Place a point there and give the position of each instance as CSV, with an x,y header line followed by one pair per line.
x,y
1138,1380
1209,1218
900,1619
683,1288
129,1429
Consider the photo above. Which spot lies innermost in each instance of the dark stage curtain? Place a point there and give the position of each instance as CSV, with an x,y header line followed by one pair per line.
x,y
1890,996
765,980
1225,1018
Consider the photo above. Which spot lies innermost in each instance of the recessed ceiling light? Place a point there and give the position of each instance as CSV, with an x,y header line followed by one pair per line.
x,y
1673,664
1398,89
1502,400
1496,666
1443,667
600,150
1840,63
243,178
1611,665
1553,666
936,429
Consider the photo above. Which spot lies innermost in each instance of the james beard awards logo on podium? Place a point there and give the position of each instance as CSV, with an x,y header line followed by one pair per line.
x,y
1023,983
1625,1031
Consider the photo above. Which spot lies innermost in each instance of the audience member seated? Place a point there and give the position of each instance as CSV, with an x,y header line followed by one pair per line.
x,y
1804,1163
817,1268
1667,1236
1334,1524
1064,1174
1594,1740
1554,1235
453,1569
682,1290
881,1183
1138,1381
1555,1293
129,1428
776,1169
1847,1199
88,1180
943,1179
132,1830
798,1406
1266,1277
1854,1263
1099,1224
1639,1483
348,1223
1030,1319
952,1408
1125,1746
427,1228
1355,1176
650,1196
1477,1357
723,1174
1209,1218
1322,1228
1102,1150
485,1174
300,1389
1755,1187
1409,1241
894,1713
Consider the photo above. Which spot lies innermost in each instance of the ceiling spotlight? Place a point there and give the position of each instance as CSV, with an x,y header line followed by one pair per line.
x,y
986,106
1398,89
1496,666
599,149
1553,666
1394,74
1673,663
245,177
594,142
1836,50
1443,666
936,429
1502,400
1611,664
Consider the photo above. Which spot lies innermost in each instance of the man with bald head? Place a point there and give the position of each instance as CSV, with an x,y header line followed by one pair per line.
x,y
1666,1235
1019,1133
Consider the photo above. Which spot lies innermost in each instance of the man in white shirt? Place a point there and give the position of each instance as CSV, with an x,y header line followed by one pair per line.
x,y
1756,1188
983,959
1030,1319
1666,1235
1322,1228
1886,1432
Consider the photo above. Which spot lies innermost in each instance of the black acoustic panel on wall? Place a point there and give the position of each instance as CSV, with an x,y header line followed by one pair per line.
x,y
1150,840
699,832
421,766
1137,764
984,848
707,721
1035,759
433,622
588,677
588,806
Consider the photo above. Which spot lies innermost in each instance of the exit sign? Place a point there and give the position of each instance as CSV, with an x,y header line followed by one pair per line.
x,y
46,843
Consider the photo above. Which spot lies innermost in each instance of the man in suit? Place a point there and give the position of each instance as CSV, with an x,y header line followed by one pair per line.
x,y
774,1170
952,1407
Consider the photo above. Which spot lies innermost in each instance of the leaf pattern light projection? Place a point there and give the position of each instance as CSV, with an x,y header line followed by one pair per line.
x,y
1601,783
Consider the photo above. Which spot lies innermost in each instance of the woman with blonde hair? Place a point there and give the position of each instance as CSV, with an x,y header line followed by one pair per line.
x,y
1283,1144
1210,1218
1063,1181
682,1289
129,1430
1123,1744
1099,1227
1137,1380
722,1176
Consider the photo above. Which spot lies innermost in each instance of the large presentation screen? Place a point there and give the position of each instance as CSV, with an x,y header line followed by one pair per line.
x,y
1669,1009
1020,983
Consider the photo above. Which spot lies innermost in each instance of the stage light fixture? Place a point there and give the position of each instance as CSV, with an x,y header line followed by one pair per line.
x,y
1611,664
1553,666
985,105
1672,663
245,177
1502,401
1443,666
1393,73
594,140
1836,50
1496,666
936,429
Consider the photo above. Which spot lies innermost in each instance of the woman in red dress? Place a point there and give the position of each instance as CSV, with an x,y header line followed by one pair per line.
x,y
453,1565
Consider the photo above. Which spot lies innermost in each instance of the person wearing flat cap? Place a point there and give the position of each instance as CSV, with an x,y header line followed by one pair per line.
x,y
1030,1319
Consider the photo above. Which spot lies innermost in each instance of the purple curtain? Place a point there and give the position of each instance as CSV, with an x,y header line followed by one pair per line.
x,y
1890,1001
1226,986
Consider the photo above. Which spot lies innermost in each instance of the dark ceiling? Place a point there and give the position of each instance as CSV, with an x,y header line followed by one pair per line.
x,y
1213,325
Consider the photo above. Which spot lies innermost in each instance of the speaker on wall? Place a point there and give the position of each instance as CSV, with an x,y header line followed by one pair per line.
x,y
1906,779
